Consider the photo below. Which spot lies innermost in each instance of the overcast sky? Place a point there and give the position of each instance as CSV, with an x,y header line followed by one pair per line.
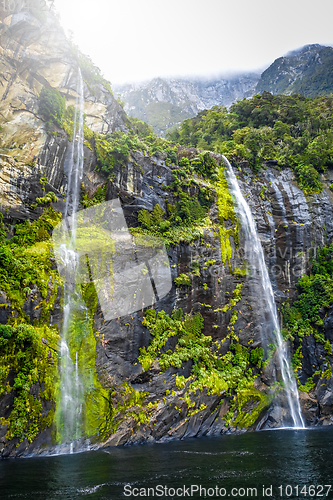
x,y
135,40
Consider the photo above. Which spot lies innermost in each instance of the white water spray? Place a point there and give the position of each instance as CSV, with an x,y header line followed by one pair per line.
x,y
256,259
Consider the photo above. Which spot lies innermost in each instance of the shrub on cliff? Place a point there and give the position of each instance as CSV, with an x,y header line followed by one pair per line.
x,y
295,131
52,106
306,316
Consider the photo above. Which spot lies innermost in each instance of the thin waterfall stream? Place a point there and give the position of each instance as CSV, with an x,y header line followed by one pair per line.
x,y
72,394
256,261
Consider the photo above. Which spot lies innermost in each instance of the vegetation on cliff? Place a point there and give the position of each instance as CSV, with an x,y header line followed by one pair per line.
x,y
230,375
293,131
188,203
52,106
28,344
306,316
114,149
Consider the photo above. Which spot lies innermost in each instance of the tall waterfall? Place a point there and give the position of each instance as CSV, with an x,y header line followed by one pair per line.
x,y
72,396
256,260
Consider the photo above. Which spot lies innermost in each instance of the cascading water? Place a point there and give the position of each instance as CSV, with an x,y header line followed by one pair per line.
x,y
255,257
71,389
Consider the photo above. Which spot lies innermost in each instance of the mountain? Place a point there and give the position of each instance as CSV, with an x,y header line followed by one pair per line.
x,y
307,71
165,102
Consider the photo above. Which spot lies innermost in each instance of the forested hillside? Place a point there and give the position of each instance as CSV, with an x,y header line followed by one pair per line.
x,y
307,71
289,131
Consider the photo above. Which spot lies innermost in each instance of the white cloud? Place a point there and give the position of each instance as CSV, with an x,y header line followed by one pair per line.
x,y
132,40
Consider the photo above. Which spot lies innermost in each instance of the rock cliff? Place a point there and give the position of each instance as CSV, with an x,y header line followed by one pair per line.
x,y
164,102
291,226
35,53
214,314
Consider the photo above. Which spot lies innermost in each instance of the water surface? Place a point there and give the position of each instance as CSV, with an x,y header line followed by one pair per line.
x,y
253,460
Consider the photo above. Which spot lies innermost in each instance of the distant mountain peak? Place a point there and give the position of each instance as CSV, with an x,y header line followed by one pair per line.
x,y
306,71
166,102
306,48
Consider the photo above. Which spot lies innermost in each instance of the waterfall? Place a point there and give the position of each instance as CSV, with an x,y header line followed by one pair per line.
x,y
256,261
72,394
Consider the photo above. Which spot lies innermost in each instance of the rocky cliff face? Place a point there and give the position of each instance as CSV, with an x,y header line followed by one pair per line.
x,y
290,225
36,54
159,402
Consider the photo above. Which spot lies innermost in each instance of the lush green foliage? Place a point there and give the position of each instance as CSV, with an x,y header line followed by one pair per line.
x,y
205,166
124,402
226,213
28,354
114,149
52,106
149,220
305,316
218,374
315,292
24,361
293,130
25,261
257,356
96,199
48,198
183,279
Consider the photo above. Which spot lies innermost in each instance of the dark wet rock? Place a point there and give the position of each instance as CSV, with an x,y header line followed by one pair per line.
x,y
324,394
290,227
5,309
310,408
328,324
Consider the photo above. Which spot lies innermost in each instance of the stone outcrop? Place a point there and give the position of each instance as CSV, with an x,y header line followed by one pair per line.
x,y
35,53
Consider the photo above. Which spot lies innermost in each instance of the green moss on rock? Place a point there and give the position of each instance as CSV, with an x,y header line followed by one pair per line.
x,y
217,374
226,213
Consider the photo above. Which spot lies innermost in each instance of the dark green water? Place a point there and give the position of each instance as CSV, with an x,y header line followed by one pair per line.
x,y
225,465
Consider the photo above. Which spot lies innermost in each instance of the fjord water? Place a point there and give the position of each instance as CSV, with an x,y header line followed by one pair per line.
x,y
254,255
251,460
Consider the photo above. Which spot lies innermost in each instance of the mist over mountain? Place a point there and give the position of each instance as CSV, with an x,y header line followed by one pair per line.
x,y
163,103
307,71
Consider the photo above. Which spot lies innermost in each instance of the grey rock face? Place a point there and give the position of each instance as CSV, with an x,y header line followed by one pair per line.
x,y
290,226
165,102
